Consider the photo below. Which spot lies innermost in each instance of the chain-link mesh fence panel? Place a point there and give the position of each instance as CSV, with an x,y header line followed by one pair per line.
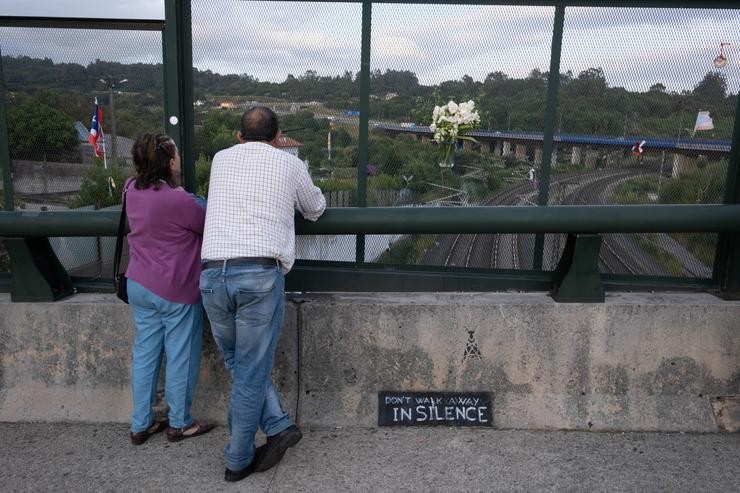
x,y
4,259
52,77
428,55
646,109
301,59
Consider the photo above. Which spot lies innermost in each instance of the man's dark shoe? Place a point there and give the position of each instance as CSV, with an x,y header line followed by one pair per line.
x,y
275,448
195,429
139,437
239,475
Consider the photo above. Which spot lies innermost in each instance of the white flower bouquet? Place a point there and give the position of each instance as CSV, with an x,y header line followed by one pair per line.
x,y
450,123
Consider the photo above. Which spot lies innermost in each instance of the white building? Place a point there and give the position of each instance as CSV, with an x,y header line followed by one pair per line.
x,y
288,145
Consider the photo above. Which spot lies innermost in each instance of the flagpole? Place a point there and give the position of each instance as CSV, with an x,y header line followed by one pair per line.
x,y
105,159
102,136
105,162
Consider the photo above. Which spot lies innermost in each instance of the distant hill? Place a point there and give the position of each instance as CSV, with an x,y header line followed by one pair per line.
x,y
586,102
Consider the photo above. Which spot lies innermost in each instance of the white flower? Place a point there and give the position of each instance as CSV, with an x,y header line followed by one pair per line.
x,y
453,120
468,107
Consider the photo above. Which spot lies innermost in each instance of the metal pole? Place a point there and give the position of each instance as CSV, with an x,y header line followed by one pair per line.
x,y
364,118
177,48
113,134
5,147
185,76
172,113
553,82
660,175
726,269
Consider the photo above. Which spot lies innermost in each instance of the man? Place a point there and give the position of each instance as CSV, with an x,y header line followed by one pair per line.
x,y
248,246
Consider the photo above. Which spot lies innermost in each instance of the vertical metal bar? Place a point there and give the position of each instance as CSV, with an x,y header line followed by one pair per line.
x,y
170,65
726,269
185,76
364,118
5,146
553,81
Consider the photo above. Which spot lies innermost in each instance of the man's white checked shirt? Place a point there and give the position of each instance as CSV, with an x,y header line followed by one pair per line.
x,y
253,193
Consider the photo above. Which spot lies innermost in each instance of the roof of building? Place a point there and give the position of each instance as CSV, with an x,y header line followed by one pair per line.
x,y
285,141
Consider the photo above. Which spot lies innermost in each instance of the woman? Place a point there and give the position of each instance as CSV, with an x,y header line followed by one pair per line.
x,y
164,267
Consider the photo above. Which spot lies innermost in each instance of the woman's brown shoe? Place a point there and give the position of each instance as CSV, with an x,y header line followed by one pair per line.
x,y
196,428
139,437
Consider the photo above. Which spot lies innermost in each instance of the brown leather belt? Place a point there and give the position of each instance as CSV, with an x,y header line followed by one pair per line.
x,y
232,262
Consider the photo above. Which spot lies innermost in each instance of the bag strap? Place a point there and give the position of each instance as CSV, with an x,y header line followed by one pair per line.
x,y
119,239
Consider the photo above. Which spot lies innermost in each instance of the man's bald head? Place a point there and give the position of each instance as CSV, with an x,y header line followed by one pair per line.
x,y
258,124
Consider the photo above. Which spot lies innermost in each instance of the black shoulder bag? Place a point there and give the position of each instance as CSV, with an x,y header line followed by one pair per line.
x,y
119,278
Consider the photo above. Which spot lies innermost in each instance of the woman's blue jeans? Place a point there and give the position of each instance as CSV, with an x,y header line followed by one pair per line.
x,y
174,329
245,305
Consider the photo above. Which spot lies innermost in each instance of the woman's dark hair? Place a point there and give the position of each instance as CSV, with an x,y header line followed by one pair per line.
x,y
259,123
152,155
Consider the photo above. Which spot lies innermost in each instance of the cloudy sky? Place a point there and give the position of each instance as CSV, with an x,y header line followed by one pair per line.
x,y
635,47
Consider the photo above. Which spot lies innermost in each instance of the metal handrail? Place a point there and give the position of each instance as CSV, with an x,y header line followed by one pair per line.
x,y
424,220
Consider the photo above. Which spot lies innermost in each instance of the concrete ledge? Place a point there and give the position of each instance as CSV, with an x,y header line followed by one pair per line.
x,y
70,361
636,362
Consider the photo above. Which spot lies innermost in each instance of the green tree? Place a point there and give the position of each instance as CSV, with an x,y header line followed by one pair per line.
x,y
202,175
713,87
38,131
216,132
589,83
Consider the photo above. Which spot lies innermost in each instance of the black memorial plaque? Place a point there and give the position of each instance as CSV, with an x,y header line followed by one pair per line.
x,y
398,408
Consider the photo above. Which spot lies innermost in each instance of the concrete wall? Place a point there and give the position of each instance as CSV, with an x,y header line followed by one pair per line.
x,y
521,152
49,177
506,149
576,155
70,361
636,362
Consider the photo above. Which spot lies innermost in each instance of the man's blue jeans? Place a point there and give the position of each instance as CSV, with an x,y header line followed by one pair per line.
x,y
245,304
175,329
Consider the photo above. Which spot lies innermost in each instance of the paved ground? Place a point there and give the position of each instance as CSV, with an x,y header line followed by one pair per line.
x,y
99,457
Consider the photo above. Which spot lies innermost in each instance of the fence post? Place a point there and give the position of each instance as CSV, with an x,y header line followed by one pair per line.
x,y
362,141
177,61
576,278
726,271
553,83
36,273
5,146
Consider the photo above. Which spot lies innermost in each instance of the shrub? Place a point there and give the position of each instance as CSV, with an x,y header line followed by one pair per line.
x,y
100,187
202,175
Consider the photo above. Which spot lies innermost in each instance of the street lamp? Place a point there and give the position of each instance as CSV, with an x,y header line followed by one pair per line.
x,y
110,83
328,138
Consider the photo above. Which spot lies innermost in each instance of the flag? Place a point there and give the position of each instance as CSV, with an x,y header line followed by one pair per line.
x,y
637,148
96,129
703,121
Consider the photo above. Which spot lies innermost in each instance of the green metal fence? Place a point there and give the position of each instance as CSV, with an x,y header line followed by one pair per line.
x,y
53,71
567,93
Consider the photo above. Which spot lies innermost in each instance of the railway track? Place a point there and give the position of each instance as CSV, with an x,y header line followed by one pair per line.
x,y
614,257
503,251
621,254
